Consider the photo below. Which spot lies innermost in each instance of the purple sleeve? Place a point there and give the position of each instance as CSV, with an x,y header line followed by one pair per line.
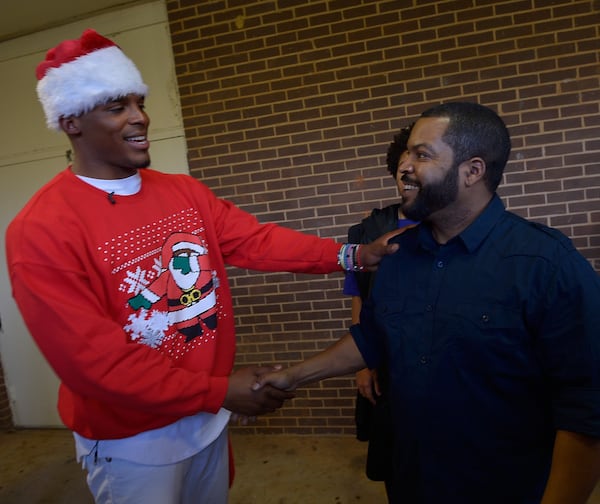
x,y
350,286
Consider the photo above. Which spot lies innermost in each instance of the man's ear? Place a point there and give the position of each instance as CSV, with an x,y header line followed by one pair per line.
x,y
70,125
475,170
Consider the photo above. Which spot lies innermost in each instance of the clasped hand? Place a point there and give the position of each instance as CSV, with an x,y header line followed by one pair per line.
x,y
281,379
245,401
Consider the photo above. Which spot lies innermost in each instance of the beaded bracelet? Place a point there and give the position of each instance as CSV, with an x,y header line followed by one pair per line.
x,y
349,257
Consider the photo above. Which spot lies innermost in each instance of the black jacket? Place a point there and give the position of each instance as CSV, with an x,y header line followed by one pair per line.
x,y
381,221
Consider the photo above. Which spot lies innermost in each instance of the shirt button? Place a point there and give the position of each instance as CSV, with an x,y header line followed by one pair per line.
x,y
429,308
485,318
423,359
440,264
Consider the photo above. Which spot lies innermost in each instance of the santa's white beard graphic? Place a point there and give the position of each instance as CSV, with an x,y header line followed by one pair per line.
x,y
188,280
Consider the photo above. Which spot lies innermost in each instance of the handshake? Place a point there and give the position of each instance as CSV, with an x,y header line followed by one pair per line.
x,y
257,390
261,389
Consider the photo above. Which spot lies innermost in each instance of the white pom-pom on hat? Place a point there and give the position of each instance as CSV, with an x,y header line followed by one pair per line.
x,y
78,75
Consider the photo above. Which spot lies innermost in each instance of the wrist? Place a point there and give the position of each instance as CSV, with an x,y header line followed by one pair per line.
x,y
350,257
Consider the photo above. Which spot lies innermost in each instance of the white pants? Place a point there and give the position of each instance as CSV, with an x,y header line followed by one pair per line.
x,y
201,479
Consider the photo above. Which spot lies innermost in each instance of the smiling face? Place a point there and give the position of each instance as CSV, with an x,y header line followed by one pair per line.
x,y
428,176
110,141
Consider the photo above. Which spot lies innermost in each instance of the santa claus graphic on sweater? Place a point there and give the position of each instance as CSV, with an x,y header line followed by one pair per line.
x,y
187,281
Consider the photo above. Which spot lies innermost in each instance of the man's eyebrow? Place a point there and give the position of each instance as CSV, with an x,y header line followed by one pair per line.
x,y
423,145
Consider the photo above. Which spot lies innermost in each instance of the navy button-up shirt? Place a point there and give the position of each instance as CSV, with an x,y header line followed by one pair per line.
x,y
493,343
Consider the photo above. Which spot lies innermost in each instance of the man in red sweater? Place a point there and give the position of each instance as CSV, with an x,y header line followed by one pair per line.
x,y
119,273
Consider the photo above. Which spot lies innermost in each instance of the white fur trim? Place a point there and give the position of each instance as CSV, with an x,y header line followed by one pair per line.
x,y
78,86
183,245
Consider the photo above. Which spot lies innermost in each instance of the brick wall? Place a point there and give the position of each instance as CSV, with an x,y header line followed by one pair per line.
x,y
289,106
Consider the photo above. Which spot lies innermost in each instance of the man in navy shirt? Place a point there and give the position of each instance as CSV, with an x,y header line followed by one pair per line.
x,y
490,327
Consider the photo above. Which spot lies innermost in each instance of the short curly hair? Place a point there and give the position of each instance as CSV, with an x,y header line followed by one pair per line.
x,y
396,148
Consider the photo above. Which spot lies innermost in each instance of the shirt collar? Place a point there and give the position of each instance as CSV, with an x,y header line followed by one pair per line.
x,y
475,233
120,187
478,230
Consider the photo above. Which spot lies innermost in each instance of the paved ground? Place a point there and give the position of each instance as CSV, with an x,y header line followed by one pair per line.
x,y
38,467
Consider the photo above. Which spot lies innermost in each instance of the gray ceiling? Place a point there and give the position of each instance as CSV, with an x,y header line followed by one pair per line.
x,y
21,17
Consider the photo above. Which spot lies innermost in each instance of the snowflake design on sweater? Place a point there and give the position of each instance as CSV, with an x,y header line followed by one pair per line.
x,y
135,281
147,327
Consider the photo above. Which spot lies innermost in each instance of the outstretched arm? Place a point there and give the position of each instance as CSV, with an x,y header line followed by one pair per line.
x,y
269,247
339,359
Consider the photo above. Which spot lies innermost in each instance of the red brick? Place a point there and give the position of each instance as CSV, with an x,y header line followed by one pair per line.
x,y
290,117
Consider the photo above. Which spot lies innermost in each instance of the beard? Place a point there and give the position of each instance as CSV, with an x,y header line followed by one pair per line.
x,y
433,197
185,281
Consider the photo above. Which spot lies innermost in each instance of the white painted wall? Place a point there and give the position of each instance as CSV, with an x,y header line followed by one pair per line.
x,y
30,155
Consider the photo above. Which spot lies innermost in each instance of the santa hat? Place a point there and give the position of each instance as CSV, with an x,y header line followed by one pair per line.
x,y
79,74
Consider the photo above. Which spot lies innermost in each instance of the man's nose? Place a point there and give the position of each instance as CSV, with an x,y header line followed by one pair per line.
x,y
138,115
406,165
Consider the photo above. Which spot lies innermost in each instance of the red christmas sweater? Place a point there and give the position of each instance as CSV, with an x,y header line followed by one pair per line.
x,y
129,301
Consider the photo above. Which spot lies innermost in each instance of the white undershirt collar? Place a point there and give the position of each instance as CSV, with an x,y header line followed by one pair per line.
x,y
120,187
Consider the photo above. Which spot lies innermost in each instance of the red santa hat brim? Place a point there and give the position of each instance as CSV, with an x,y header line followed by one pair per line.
x,y
80,74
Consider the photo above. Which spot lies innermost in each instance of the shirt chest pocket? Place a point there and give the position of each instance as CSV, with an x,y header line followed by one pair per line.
x,y
484,333
398,316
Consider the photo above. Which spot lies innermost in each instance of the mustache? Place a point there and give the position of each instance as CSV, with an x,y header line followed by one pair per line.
x,y
405,179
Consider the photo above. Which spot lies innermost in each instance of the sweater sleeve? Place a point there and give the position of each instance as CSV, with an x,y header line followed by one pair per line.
x,y
249,244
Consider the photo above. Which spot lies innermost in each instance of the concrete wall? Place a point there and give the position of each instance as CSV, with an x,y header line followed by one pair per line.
x,y
30,155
